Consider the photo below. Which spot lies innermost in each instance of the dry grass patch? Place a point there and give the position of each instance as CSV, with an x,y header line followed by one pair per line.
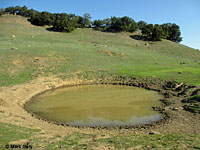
x,y
110,53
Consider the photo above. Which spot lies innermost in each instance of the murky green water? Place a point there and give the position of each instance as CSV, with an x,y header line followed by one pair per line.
x,y
97,105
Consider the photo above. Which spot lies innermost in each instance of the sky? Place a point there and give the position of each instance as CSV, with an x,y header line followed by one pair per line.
x,y
185,13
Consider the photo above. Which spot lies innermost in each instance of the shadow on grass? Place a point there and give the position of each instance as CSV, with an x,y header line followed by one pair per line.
x,y
108,30
143,38
51,29
139,37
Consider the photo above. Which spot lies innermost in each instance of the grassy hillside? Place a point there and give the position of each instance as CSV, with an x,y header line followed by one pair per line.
x,y
28,52
35,52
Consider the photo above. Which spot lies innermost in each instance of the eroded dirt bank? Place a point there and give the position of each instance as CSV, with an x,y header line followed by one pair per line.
x,y
176,120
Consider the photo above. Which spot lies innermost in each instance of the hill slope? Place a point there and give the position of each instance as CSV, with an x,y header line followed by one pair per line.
x,y
35,52
28,52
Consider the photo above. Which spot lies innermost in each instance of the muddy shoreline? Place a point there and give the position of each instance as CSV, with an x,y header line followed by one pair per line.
x,y
175,118
125,81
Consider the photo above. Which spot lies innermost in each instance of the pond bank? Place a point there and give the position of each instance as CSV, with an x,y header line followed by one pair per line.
x,y
176,119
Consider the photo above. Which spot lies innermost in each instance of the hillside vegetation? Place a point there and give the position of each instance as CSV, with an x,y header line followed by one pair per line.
x,y
29,51
63,22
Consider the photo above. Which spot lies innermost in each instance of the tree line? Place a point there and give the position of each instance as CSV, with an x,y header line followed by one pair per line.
x,y
155,32
63,22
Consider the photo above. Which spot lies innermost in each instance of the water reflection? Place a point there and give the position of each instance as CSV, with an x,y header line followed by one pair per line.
x,y
94,121
97,105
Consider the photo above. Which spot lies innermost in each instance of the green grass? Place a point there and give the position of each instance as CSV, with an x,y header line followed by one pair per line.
x,y
88,141
170,141
10,133
43,53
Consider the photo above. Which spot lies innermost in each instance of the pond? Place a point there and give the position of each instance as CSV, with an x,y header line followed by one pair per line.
x,y
97,105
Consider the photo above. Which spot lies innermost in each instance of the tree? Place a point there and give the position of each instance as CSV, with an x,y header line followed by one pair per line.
x,y
132,27
2,11
86,20
20,10
17,10
10,10
128,24
79,22
168,31
141,24
147,30
36,19
166,28
115,24
174,33
64,22
47,18
171,32
68,22
63,25
30,13
43,18
98,23
107,21
23,10
157,32
107,24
